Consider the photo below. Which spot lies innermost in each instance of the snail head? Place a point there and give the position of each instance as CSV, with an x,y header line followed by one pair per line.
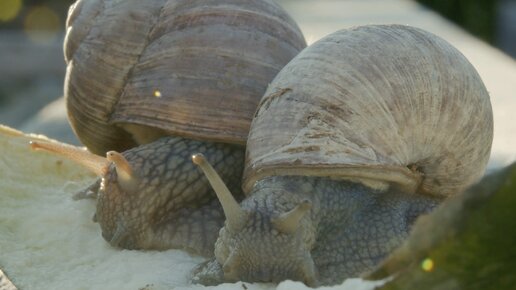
x,y
118,198
263,240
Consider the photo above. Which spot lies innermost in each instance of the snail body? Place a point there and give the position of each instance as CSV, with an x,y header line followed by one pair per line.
x,y
357,136
348,229
158,81
164,207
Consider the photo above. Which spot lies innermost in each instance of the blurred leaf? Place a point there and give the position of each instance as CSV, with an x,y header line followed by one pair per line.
x,y
469,242
477,16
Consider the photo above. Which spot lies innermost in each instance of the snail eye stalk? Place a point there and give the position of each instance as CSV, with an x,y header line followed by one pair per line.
x,y
289,222
235,215
126,176
95,163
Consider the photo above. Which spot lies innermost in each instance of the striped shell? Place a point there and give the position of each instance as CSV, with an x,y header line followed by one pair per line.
x,y
138,70
378,104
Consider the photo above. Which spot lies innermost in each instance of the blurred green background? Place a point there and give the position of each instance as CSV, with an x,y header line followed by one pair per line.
x,y
494,21
19,14
476,16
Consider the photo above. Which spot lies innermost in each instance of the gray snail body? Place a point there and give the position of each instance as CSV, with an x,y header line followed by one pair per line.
x,y
357,136
349,229
167,79
162,210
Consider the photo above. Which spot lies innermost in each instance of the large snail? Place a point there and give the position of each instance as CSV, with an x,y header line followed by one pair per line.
x,y
357,136
193,71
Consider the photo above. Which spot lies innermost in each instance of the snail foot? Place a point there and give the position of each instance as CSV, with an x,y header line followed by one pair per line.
x,y
209,273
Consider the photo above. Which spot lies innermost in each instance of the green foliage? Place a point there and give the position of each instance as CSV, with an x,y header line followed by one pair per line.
x,y
470,239
476,16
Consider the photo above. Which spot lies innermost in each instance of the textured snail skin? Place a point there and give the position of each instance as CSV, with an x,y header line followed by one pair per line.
x,y
349,229
172,205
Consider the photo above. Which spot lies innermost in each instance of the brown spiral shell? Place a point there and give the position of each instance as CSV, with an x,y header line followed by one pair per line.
x,y
137,70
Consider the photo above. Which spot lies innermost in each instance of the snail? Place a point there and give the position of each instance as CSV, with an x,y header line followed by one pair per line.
x,y
158,80
357,136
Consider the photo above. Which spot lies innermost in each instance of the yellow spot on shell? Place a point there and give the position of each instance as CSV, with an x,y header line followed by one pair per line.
x,y
427,265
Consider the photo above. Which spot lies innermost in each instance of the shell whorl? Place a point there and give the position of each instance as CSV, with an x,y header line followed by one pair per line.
x,y
380,104
190,68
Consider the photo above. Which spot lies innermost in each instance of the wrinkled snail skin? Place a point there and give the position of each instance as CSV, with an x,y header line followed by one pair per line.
x,y
171,205
357,136
371,222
